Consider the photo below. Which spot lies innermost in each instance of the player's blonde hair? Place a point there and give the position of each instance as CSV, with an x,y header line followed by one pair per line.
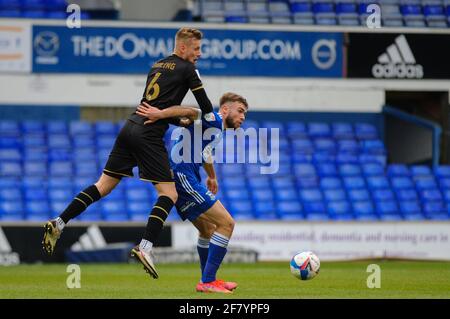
x,y
186,34
232,97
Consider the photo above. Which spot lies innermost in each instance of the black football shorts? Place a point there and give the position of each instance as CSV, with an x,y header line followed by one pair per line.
x,y
142,146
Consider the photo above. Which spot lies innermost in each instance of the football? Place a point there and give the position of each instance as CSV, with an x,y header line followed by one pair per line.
x,y
305,265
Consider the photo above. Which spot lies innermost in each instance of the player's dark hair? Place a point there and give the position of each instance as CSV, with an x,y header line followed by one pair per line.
x,y
233,97
188,33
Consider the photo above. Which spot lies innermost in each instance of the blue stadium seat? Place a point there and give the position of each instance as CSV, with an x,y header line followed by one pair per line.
x,y
33,181
56,15
9,128
347,13
263,194
406,194
326,145
334,195
411,210
430,195
303,145
35,154
340,210
105,128
319,158
237,194
10,4
92,213
356,195
372,158
37,210
81,183
365,131
63,182
10,142
265,211
60,154
35,168
435,15
307,182
288,210
286,194
324,13
140,193
59,141
57,127
10,13
255,182
77,128
10,169
236,19
347,158
57,207
295,130
285,182
402,182
310,195
420,170
11,210
315,211
34,140
33,127
388,210
33,4
316,129
114,210
398,170
327,169
354,182
342,131
330,183
10,154
60,168
426,183
373,147
61,194
9,181
375,182
86,169
87,154
232,169
364,210
10,194
302,12
442,171
347,170
348,146
83,141
241,210
139,209
35,193
304,170
372,169
435,210
383,195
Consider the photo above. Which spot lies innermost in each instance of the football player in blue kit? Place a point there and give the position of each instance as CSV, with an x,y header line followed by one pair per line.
x,y
196,201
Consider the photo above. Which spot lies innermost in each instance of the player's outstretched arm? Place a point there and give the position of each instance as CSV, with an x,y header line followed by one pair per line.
x,y
154,114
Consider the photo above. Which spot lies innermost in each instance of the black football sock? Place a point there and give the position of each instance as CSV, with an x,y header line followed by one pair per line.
x,y
158,216
80,203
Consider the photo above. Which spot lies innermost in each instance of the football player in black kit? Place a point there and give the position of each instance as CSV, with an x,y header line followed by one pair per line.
x,y
142,145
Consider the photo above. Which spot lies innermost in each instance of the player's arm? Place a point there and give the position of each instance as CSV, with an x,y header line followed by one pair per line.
x,y
211,181
196,86
154,114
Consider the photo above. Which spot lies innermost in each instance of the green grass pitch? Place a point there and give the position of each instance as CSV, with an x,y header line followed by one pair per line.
x,y
399,279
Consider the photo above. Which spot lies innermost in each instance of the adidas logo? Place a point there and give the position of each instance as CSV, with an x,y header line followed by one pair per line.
x,y
398,62
92,239
7,256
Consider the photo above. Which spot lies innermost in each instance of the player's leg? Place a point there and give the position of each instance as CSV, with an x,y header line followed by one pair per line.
x,y
218,244
205,231
88,196
153,162
120,163
167,196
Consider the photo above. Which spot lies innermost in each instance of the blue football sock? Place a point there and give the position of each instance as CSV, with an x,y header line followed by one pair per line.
x,y
202,248
217,250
